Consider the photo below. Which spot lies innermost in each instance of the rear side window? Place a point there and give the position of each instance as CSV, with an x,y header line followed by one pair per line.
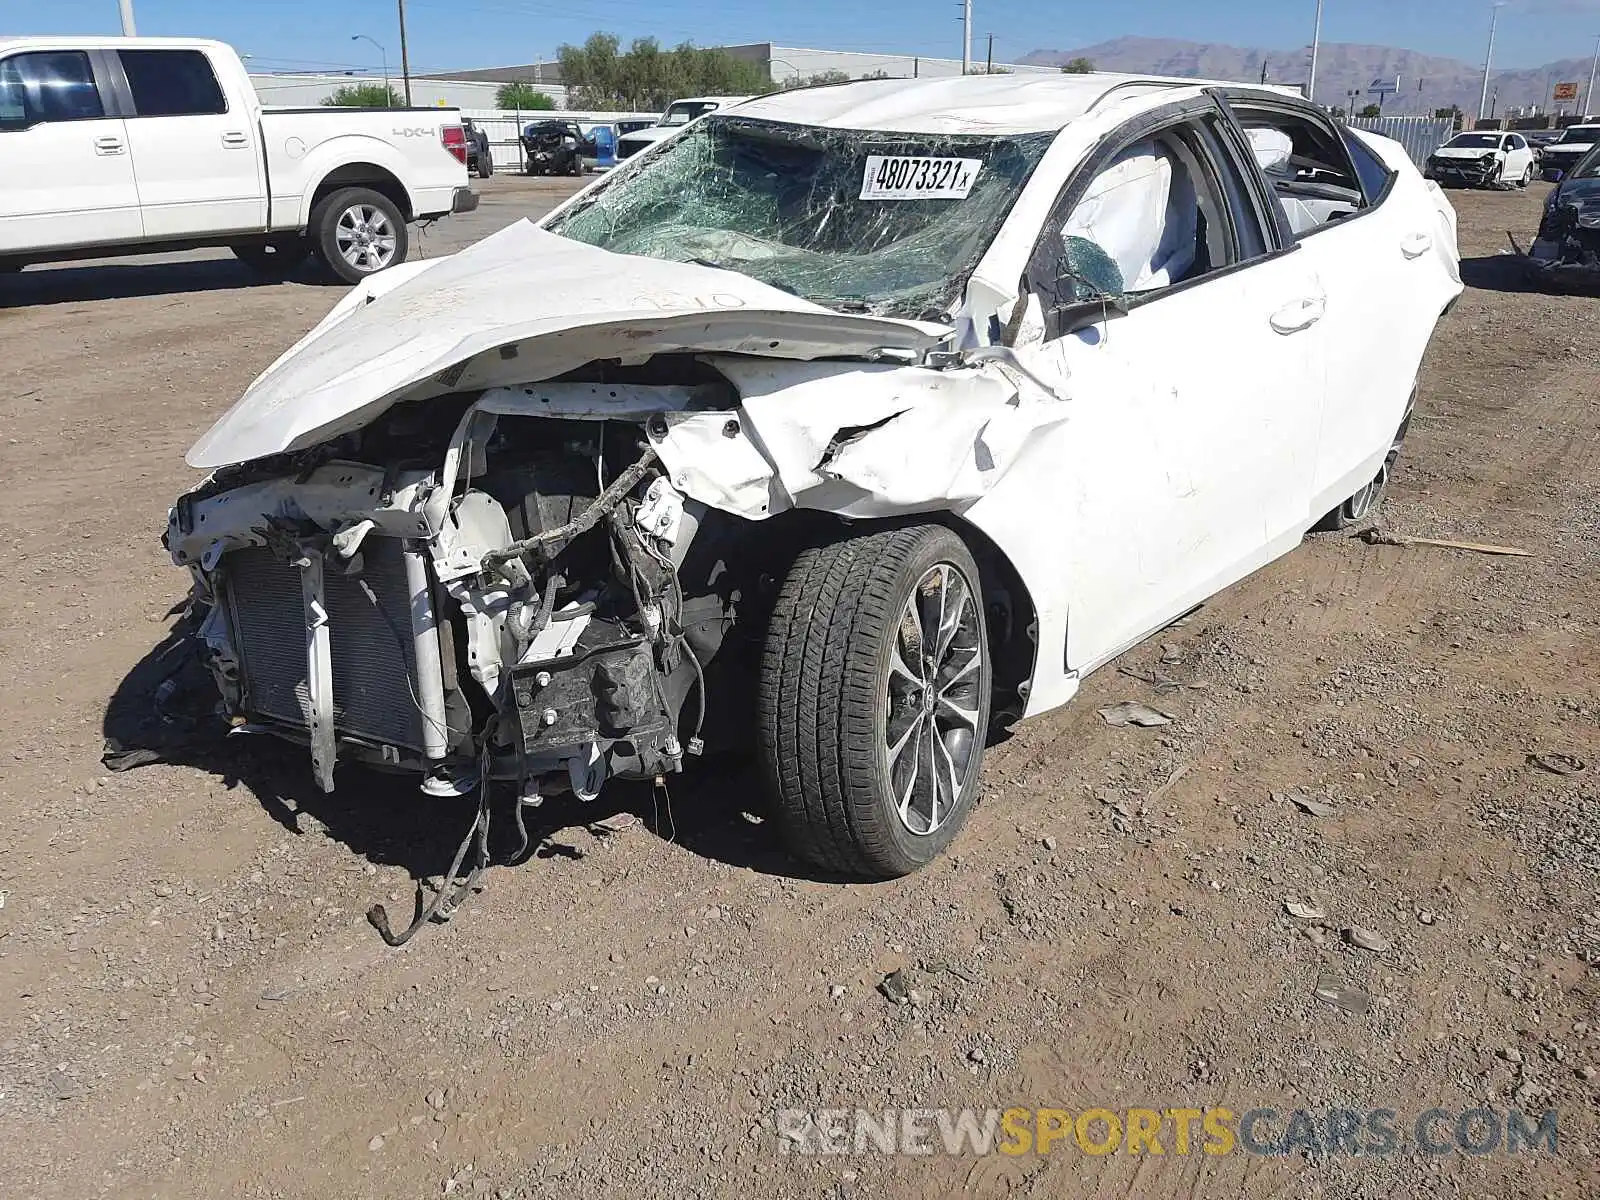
x,y
1374,172
172,83
48,85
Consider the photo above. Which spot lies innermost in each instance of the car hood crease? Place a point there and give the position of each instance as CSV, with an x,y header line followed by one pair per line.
x,y
520,306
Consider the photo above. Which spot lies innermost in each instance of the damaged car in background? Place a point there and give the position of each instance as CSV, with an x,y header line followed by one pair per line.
x,y
849,425
1565,254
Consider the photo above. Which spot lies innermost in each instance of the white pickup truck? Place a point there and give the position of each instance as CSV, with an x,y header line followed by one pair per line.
x,y
135,145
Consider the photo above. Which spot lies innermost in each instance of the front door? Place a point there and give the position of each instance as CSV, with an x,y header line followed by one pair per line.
x,y
1185,461
66,176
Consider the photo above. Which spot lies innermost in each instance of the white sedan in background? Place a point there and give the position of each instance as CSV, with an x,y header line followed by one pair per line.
x,y
850,424
1483,158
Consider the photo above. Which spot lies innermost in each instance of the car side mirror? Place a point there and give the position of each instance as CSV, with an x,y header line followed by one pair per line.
x,y
1063,319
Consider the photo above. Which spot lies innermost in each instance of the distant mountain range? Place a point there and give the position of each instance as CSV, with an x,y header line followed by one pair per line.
x,y
1341,67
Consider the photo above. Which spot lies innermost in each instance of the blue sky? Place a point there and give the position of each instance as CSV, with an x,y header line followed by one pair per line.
x,y
286,34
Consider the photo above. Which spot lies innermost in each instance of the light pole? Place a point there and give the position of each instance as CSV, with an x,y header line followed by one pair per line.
x,y
1488,59
126,6
966,37
361,37
1588,97
405,61
1316,44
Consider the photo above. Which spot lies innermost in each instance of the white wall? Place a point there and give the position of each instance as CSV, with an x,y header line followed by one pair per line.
x,y
789,62
305,91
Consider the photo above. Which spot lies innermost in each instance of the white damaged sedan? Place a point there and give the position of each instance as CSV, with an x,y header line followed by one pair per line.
x,y
848,425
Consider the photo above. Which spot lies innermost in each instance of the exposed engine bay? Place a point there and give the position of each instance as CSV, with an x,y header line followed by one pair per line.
x,y
483,589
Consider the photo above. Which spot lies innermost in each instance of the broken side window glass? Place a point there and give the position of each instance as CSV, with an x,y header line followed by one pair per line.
x,y
815,211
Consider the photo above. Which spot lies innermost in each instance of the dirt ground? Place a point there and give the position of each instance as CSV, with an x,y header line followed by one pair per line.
x,y
192,1005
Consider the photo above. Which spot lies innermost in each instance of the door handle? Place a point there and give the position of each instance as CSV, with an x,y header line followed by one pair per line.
x,y
1415,245
235,140
1300,314
108,145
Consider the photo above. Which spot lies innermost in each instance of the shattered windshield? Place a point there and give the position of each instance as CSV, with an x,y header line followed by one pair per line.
x,y
888,223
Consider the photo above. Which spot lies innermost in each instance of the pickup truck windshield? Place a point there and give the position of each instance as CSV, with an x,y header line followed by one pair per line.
x,y
859,221
682,114
1585,134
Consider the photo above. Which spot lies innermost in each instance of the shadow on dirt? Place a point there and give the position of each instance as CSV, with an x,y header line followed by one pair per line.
x,y
77,283
163,711
1497,273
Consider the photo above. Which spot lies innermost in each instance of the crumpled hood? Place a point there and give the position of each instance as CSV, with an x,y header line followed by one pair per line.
x,y
520,306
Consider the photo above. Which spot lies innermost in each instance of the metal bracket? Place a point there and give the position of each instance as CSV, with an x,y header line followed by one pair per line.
x,y
319,669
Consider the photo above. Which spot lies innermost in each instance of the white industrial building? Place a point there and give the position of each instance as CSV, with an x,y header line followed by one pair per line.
x,y
474,88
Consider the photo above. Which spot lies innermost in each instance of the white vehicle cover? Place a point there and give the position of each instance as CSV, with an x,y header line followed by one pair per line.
x,y
1142,211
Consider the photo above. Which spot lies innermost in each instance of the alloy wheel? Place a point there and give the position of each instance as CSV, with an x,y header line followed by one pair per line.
x,y
365,238
931,736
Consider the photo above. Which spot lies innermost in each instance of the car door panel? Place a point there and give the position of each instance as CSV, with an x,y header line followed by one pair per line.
x,y
66,177
1180,469
196,150
1185,462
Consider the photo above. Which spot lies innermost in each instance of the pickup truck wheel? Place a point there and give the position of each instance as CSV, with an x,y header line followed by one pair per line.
x,y
874,700
358,232
273,260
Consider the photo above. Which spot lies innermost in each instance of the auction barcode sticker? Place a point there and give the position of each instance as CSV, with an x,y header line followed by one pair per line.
x,y
896,178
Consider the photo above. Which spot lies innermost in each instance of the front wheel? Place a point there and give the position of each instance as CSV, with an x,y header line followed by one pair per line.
x,y
357,232
874,699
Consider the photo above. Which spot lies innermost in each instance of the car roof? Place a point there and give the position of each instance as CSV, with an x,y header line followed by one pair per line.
x,y
109,43
709,100
999,104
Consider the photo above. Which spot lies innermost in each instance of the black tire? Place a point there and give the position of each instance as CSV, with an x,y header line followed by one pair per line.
x,y
273,260
1362,508
329,221
485,165
829,701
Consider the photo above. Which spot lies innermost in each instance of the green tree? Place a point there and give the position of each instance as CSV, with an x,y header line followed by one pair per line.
x,y
1453,112
1078,66
522,95
363,95
599,75
1371,110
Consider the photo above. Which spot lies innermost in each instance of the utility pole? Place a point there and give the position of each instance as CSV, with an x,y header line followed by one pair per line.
x,y
1488,60
127,18
1316,44
1588,96
405,61
988,60
966,36
1264,63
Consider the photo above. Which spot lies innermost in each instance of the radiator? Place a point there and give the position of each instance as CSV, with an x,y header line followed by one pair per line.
x,y
374,665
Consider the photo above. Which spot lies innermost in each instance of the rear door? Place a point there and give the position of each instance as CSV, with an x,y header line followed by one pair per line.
x,y
196,149
1185,460
66,177
1374,252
